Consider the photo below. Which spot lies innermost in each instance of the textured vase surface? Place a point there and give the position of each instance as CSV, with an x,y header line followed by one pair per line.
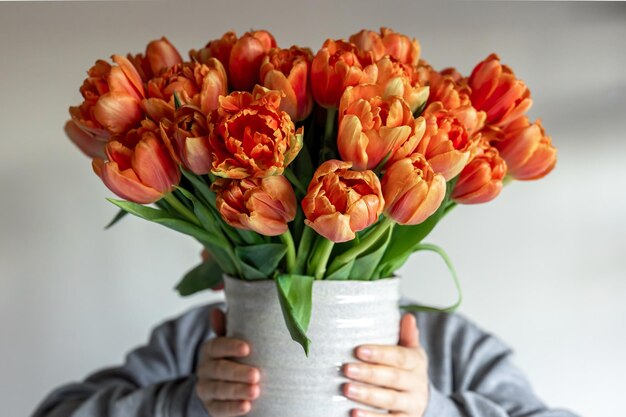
x,y
345,314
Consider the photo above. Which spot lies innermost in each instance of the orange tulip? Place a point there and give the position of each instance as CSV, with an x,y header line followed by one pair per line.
x,y
334,68
288,70
250,136
264,205
528,152
197,84
372,128
241,57
138,166
412,190
112,101
219,49
400,47
89,143
187,139
446,144
340,202
497,91
162,55
395,79
481,179
246,58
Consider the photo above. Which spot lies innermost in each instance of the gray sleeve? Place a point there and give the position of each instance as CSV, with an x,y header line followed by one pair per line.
x,y
156,380
472,373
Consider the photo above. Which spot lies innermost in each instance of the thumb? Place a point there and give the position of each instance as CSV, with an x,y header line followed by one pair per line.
x,y
409,335
218,322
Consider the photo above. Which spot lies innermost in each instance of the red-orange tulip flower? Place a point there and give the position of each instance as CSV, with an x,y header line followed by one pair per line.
x,y
528,152
372,128
90,144
250,136
400,47
288,70
497,91
481,179
340,202
138,167
197,84
218,48
187,139
446,144
335,67
112,100
264,205
246,58
162,55
395,79
412,190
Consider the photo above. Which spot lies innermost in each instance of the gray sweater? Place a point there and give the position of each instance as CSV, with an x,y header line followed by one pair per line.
x,y
471,375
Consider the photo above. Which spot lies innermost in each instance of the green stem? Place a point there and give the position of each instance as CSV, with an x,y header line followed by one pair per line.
x,y
303,249
328,134
294,180
319,257
291,251
364,245
181,209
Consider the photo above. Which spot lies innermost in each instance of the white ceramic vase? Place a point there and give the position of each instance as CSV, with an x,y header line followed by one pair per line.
x,y
345,314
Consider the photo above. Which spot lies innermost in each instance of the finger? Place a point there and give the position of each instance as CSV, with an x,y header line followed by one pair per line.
x,y
395,356
357,412
409,334
218,322
224,347
209,390
226,370
387,399
383,376
228,408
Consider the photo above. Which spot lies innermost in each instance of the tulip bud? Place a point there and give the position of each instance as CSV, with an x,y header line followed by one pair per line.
x,y
143,173
340,202
497,91
335,67
412,190
446,143
161,55
246,58
264,205
481,179
287,70
528,152
187,139
399,47
372,128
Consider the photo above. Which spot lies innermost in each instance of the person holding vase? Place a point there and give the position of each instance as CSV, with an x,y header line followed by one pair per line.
x,y
442,366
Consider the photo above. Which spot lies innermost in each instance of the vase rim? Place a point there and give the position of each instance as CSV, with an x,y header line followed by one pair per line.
x,y
325,282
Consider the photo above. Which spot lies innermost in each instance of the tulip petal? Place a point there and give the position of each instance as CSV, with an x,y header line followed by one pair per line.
x,y
117,112
126,185
334,227
89,144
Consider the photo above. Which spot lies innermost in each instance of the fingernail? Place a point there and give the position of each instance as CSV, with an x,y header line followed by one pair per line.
x,y
364,352
354,390
352,370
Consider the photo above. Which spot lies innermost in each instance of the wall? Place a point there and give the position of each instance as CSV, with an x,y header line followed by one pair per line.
x,y
542,266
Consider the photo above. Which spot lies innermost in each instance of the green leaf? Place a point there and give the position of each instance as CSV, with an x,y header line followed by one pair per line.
x,y
147,213
343,273
365,265
201,187
295,293
119,216
204,276
187,228
455,278
202,212
263,258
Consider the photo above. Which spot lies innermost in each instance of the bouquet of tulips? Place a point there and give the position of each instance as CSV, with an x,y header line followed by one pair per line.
x,y
295,166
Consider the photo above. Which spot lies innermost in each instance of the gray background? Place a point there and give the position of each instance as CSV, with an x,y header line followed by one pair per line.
x,y
543,266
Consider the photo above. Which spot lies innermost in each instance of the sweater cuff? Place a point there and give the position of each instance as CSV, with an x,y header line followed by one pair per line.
x,y
439,405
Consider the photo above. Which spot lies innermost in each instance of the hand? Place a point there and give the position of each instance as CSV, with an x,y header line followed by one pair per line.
x,y
395,377
225,387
